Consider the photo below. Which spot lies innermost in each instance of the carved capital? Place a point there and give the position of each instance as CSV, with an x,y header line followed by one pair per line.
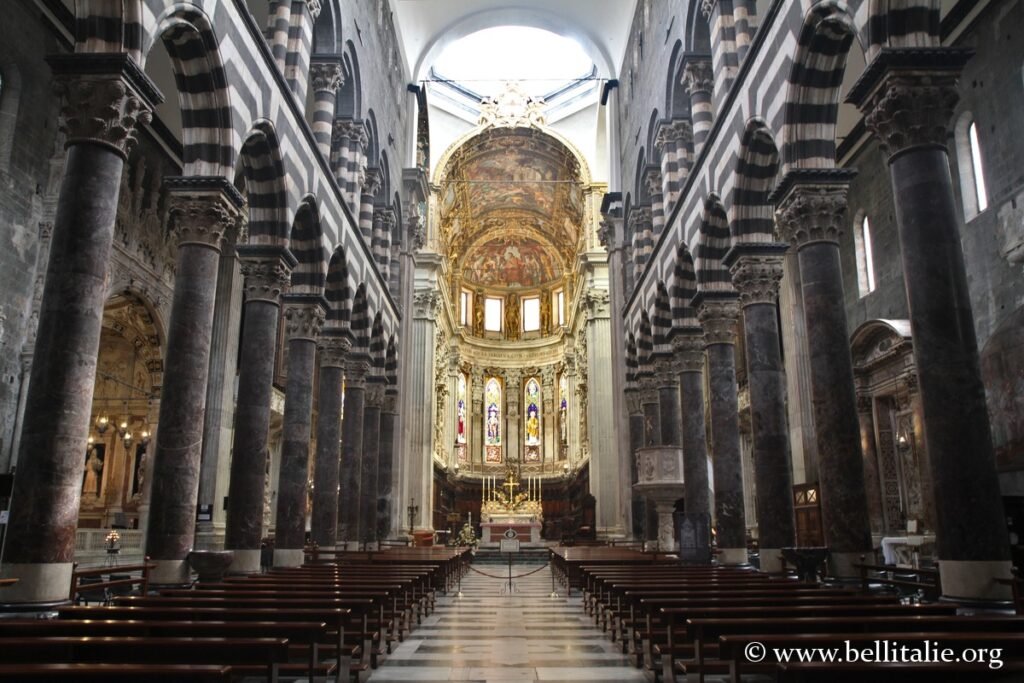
x,y
673,133
756,277
390,404
266,272
425,303
652,180
689,351
707,7
633,402
104,98
698,76
666,371
313,7
203,218
864,404
303,320
356,370
334,351
718,317
350,132
385,217
417,232
597,303
375,393
648,390
326,76
371,183
812,212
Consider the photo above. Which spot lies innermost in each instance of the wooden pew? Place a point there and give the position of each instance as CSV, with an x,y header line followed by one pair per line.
x,y
102,673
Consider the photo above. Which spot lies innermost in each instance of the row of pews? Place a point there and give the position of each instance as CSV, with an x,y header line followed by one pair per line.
x,y
332,619
690,622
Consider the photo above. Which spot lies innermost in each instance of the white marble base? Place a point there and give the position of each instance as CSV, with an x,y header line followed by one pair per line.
x,y
170,573
42,583
974,579
288,558
771,560
245,562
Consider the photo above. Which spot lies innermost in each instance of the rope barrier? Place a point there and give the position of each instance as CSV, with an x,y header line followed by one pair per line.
x,y
505,578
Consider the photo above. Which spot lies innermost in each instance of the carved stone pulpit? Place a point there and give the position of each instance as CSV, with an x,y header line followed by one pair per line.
x,y
660,480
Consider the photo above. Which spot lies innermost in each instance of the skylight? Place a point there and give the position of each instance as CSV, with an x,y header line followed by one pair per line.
x,y
543,61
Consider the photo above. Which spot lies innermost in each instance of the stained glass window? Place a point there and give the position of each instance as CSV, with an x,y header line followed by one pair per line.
x,y
460,407
532,417
563,416
492,420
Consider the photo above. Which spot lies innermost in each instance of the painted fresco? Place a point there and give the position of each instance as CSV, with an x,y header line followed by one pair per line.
x,y
516,262
515,179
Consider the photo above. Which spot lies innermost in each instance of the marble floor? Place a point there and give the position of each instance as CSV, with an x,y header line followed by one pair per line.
x,y
490,634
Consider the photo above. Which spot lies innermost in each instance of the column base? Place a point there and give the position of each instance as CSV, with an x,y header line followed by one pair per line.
x,y
44,584
170,573
771,560
245,562
732,556
974,579
285,557
841,564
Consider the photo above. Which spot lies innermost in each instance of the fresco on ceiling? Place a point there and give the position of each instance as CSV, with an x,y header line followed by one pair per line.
x,y
516,262
511,179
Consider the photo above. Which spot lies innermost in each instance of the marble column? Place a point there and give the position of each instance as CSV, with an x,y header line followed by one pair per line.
x,y
719,14
304,316
220,398
369,466
385,470
700,81
689,349
513,398
324,526
872,479
666,376
811,213
203,210
605,457
636,442
756,272
476,422
350,473
327,78
102,99
266,270
718,313
908,98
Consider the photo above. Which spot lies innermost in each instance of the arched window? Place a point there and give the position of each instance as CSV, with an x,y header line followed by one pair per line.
x,y
865,255
492,421
532,421
563,418
460,418
973,190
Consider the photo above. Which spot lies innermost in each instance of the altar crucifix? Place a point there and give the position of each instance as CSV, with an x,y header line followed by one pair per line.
x,y
513,504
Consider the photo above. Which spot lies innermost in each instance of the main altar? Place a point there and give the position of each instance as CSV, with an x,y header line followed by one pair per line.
x,y
513,504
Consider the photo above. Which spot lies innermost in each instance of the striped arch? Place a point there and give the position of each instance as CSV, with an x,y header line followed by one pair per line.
x,y
307,246
391,363
902,23
327,29
712,275
645,347
684,288
632,366
338,293
677,97
756,167
350,94
661,321
360,322
264,175
208,137
378,346
110,26
812,98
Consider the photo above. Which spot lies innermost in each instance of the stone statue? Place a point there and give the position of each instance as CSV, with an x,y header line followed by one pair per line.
x,y
545,312
512,322
478,313
93,472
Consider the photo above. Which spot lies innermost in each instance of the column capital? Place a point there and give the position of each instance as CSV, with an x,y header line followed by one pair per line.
x,y
104,98
718,316
666,371
648,389
203,210
326,75
425,303
334,350
597,302
672,132
303,315
652,179
390,404
266,270
356,370
387,218
375,389
351,130
756,271
864,404
633,401
908,95
371,183
689,350
810,205
313,7
698,76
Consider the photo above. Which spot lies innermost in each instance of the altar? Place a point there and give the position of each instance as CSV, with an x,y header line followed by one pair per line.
x,y
512,504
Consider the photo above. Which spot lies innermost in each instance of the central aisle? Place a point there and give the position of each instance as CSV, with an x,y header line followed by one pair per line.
x,y
488,635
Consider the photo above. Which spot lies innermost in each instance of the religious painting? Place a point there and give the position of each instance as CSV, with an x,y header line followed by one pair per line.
x,y
492,421
514,262
512,178
92,478
532,413
460,410
563,416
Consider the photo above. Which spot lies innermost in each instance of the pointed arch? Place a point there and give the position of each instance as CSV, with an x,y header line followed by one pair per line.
x,y
632,365
350,94
645,347
338,293
360,322
684,288
661,320
378,346
306,243
263,171
327,36
677,98
757,165
814,82
713,243
391,363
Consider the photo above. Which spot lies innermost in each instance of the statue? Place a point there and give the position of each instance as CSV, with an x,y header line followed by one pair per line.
x,y
478,313
512,324
545,312
93,472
